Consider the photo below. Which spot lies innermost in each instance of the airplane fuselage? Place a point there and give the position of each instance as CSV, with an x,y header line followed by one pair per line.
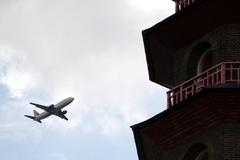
x,y
63,103
43,115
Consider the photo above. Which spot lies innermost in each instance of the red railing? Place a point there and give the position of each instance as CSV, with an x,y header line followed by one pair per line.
x,y
223,73
180,4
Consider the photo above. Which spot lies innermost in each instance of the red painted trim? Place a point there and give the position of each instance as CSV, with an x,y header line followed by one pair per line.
x,y
223,73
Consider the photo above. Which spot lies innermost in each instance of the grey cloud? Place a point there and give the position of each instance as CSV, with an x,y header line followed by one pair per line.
x,y
91,50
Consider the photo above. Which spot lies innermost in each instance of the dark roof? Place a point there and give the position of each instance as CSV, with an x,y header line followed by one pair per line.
x,y
214,89
182,29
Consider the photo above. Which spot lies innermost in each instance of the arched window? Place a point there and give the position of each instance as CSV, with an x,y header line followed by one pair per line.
x,y
205,61
199,59
204,155
197,152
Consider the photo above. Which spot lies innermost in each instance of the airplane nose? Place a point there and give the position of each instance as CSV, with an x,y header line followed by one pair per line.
x,y
71,98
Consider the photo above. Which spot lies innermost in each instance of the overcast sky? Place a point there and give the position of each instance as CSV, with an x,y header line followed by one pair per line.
x,y
91,50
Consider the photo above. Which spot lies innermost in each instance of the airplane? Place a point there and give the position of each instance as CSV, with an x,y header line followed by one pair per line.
x,y
50,110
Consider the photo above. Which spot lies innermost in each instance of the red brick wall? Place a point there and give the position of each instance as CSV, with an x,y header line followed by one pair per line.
x,y
212,117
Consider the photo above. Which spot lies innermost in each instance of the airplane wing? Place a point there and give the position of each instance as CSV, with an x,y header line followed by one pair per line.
x,y
46,108
60,114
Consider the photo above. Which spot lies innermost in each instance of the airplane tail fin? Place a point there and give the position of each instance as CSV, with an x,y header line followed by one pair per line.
x,y
33,118
35,113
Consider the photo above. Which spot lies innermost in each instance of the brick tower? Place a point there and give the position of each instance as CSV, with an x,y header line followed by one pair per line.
x,y
196,54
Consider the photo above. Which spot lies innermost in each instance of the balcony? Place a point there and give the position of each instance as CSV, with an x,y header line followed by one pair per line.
x,y
223,73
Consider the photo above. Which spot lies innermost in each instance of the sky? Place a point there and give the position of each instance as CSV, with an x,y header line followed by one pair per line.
x,y
90,50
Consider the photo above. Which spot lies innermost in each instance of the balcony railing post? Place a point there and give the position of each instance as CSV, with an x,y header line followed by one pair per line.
x,y
194,90
238,76
223,73
181,93
207,77
169,99
177,7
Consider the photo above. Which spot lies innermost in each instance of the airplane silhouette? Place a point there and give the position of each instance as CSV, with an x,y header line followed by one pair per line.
x,y
50,110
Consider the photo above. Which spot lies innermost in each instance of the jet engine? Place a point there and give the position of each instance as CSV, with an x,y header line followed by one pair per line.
x,y
51,106
64,112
